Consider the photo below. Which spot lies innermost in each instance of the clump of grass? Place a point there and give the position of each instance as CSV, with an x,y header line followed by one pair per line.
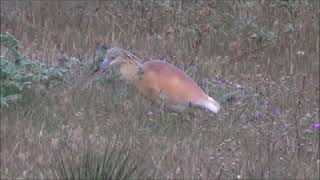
x,y
112,164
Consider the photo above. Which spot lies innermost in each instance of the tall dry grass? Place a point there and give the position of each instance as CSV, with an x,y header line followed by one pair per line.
x,y
260,59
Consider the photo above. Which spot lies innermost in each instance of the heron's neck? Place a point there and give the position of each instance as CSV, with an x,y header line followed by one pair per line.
x,y
131,71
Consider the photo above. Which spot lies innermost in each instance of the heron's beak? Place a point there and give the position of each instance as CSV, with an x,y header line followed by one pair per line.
x,y
103,66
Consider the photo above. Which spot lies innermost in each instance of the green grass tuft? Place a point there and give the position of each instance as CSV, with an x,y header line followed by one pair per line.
x,y
114,163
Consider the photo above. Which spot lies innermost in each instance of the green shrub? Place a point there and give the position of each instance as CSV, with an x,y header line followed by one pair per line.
x,y
18,73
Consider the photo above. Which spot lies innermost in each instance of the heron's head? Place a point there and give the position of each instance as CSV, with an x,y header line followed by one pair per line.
x,y
117,56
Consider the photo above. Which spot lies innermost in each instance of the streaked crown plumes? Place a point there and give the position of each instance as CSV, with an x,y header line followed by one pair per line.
x,y
115,52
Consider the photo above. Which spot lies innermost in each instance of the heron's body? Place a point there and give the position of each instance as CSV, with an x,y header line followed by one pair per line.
x,y
169,85
164,83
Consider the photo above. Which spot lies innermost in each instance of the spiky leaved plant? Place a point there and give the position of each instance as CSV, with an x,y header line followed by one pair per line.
x,y
114,163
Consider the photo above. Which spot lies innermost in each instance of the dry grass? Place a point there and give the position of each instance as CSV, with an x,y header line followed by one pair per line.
x,y
260,59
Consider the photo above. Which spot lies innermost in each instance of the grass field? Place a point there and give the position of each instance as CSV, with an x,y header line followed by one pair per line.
x,y
259,59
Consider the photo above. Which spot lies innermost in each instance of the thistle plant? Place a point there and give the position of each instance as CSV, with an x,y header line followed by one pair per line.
x,y
18,73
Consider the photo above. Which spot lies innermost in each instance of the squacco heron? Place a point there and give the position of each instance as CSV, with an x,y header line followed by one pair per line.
x,y
163,82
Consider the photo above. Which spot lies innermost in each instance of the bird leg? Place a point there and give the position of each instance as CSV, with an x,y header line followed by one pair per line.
x,y
163,100
163,104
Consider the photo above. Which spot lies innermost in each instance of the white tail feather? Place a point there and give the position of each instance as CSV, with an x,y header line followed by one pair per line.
x,y
212,105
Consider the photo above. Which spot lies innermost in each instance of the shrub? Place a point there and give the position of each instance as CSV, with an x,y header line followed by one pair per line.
x,y
18,73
